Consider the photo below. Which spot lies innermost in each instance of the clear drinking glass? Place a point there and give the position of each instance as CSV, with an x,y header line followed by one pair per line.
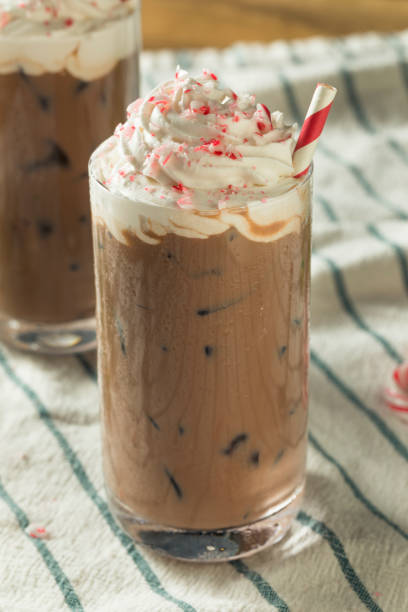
x,y
203,359
58,98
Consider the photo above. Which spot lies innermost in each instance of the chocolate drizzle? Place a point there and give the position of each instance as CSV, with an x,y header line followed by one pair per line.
x,y
82,85
121,336
279,456
235,442
211,272
203,312
254,458
153,422
43,101
45,228
56,157
103,97
174,483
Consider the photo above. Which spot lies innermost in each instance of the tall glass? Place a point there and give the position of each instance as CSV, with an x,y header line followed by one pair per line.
x,y
203,359
60,94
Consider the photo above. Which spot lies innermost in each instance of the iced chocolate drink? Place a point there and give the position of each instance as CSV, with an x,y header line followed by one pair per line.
x,y
66,74
202,251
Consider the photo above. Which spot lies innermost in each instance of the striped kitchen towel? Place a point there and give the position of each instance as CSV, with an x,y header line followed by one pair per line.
x,y
348,549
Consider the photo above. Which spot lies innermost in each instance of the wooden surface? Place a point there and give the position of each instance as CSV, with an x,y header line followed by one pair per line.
x,y
197,23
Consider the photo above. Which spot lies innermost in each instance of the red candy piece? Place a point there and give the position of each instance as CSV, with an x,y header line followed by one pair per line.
x,y
38,533
180,187
267,111
231,155
400,376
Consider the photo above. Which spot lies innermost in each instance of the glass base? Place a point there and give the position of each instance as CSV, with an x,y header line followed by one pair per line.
x,y
51,339
224,544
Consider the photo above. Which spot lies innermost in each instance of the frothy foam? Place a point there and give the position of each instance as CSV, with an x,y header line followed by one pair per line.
x,y
194,159
86,38
257,221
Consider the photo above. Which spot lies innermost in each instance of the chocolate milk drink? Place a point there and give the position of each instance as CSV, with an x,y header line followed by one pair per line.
x,y
202,251
66,72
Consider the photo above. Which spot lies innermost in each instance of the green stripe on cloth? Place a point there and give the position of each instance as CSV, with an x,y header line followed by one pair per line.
x,y
66,588
338,549
295,58
148,574
356,172
290,96
184,59
348,393
364,183
361,116
394,41
398,149
354,101
327,207
86,366
399,252
263,587
350,309
354,488
374,231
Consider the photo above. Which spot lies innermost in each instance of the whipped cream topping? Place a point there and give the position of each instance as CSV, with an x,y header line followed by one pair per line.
x,y
85,37
195,159
44,15
194,144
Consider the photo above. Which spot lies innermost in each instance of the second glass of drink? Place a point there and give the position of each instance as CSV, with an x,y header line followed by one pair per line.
x,y
66,74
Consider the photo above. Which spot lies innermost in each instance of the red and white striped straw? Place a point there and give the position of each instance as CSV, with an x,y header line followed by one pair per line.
x,y
312,127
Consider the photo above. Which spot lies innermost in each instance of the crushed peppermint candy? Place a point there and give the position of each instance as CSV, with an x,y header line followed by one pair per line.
x,y
36,532
4,19
185,202
202,144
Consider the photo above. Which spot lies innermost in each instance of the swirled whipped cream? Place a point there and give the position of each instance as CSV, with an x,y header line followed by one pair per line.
x,y
192,145
85,37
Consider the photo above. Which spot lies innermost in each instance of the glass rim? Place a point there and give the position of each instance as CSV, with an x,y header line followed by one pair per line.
x,y
204,212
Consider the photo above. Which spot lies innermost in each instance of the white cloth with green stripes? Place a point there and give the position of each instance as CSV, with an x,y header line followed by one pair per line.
x,y
348,549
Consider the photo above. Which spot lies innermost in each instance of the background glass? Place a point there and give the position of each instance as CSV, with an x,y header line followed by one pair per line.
x,y
49,125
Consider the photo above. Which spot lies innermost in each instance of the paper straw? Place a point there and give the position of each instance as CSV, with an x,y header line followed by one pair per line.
x,y
312,127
